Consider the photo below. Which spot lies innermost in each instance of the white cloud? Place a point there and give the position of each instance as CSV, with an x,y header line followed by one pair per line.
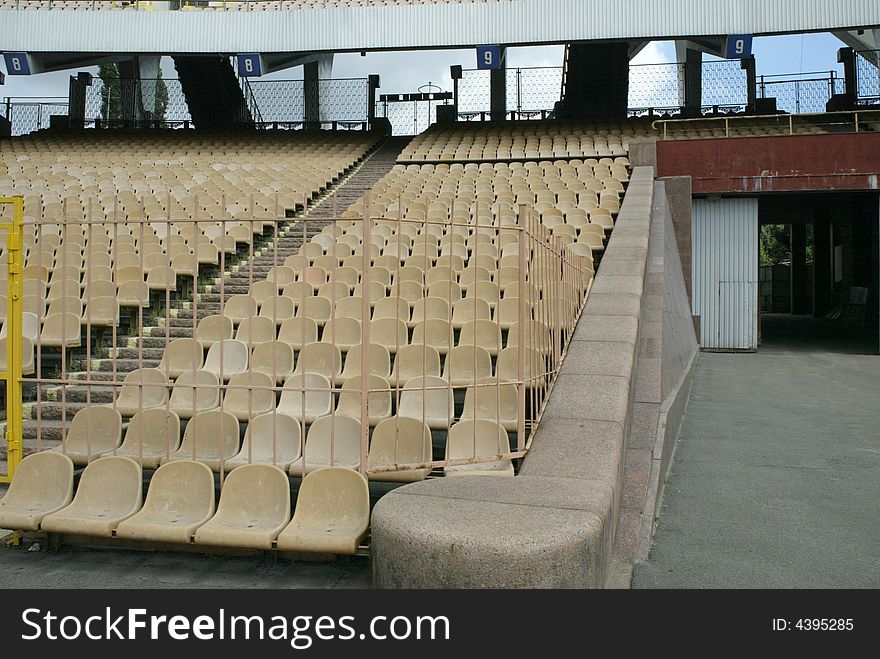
x,y
656,52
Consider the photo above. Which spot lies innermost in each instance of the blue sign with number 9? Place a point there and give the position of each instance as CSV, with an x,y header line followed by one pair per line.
x,y
739,46
488,57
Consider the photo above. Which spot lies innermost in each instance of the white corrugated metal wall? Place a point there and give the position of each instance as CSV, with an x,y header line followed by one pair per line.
x,y
428,25
725,272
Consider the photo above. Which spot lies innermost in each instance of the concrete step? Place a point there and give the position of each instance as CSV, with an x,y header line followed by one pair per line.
x,y
135,353
29,445
124,365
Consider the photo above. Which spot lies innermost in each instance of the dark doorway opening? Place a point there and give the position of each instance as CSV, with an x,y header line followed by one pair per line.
x,y
820,272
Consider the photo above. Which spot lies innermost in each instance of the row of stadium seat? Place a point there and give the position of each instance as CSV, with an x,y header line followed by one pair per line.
x,y
181,507
524,141
211,176
213,436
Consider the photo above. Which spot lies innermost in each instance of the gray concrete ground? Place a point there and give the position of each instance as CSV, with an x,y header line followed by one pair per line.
x,y
113,568
776,478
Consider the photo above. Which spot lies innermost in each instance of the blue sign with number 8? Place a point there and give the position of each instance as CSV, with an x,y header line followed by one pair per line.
x,y
17,64
250,65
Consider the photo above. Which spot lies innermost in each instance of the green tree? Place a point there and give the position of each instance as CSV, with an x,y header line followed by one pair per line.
x,y
111,102
775,244
161,98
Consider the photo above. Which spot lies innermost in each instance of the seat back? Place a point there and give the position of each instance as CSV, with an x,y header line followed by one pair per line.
x,y
272,439
334,439
255,492
43,480
210,435
94,430
153,432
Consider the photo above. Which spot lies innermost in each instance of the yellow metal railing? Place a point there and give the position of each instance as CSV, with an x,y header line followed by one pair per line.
x,y
854,120
13,374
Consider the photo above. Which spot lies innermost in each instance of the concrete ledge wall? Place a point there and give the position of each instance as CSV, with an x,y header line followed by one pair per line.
x,y
553,525
668,308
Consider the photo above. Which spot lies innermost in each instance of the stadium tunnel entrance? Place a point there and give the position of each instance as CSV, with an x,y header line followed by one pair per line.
x,y
818,272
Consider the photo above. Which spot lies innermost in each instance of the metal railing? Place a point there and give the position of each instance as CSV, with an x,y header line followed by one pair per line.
x,y
782,124
285,101
31,114
868,77
252,105
807,93
11,225
553,284
529,89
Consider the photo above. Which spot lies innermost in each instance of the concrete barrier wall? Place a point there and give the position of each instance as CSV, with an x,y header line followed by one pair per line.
x,y
668,307
553,525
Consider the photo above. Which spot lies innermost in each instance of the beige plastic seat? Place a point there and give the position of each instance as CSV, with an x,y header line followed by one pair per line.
x,y
101,312
212,329
378,357
483,333
315,402
43,484
240,307
150,436
465,365
435,333
249,395
492,401
534,368
226,359
298,332
298,291
180,500
254,508
478,439
93,430
278,308
133,294
182,356
378,399
142,389
274,358
389,332
392,308
332,513
414,361
269,439
400,441
331,441
342,332
428,399
256,330
349,307
110,490
61,330
537,337
162,279
27,355
194,392
319,309
209,438
323,358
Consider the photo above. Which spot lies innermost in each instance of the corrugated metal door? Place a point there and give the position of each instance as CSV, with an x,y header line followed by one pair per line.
x,y
725,272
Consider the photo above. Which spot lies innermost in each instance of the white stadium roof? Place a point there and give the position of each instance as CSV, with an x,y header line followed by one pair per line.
x,y
423,26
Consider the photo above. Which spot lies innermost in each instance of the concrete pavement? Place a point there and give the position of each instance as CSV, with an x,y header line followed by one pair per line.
x,y
776,478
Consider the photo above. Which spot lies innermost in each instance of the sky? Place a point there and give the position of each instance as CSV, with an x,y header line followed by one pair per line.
x,y
406,72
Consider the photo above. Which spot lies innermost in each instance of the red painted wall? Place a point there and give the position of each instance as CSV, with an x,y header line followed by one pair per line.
x,y
795,163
